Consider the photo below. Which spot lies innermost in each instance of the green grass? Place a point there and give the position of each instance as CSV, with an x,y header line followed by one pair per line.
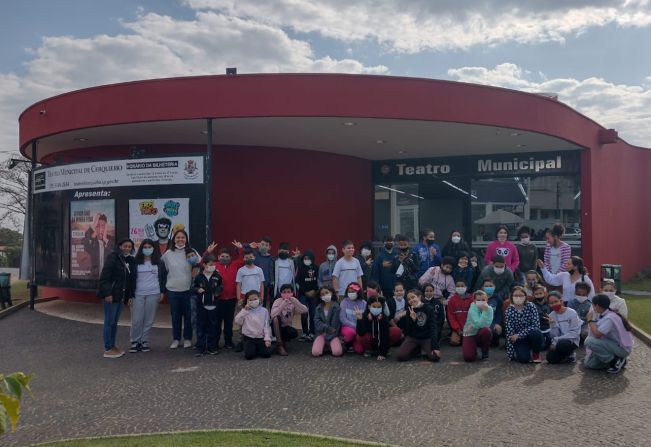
x,y
225,438
19,290
638,284
639,311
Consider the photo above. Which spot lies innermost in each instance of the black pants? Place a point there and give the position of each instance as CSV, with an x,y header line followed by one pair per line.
x,y
206,329
288,333
564,348
255,347
225,315
5,297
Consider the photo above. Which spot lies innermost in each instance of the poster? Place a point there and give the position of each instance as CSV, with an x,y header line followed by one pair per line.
x,y
92,236
157,219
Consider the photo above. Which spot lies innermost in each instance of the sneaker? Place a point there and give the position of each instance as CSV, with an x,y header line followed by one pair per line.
x,y
135,347
367,354
144,347
199,354
175,344
617,366
229,346
187,344
484,355
310,337
215,352
536,357
571,358
274,339
113,353
302,338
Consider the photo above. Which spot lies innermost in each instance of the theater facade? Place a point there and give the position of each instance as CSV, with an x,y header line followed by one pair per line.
x,y
314,159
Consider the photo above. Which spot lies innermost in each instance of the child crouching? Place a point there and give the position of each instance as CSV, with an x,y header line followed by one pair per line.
x,y
327,324
256,331
373,327
282,316
476,331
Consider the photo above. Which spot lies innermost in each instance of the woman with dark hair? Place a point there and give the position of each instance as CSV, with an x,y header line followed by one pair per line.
x,y
610,341
501,246
178,261
149,283
116,287
455,245
576,272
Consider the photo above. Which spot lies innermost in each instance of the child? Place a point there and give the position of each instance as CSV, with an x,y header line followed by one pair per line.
x,y
476,269
582,306
256,332
420,328
502,247
282,315
373,327
227,302
327,267
437,306
531,280
327,324
476,331
306,283
495,302
523,335
396,308
405,264
353,301
528,254
284,269
383,269
441,278
617,304
249,277
565,333
464,271
540,301
457,311
347,269
500,275
207,286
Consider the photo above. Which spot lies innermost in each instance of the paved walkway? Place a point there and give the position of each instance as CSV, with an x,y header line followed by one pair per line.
x,y
78,393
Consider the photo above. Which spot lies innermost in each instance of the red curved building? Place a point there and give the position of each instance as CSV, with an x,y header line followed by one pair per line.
x,y
314,159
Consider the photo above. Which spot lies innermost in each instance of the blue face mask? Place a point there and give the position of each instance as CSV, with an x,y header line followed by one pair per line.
x,y
375,311
489,290
148,251
192,260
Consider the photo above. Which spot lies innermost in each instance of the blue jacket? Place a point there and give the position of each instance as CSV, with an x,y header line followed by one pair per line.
x,y
466,274
385,276
425,259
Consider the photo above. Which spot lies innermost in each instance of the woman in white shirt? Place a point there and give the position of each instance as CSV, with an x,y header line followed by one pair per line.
x,y
576,272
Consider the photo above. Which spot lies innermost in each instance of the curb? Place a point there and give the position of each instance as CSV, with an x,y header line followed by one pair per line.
x,y
639,333
16,307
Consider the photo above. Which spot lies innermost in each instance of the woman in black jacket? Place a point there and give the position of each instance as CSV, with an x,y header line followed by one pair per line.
x,y
117,285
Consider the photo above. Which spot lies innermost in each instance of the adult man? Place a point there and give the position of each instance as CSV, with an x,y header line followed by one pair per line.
x,y
383,267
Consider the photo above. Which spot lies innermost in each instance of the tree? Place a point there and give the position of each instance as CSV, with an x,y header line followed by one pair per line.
x,y
13,193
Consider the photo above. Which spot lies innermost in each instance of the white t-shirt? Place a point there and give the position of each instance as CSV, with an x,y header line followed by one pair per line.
x,y
346,272
285,270
250,278
564,279
555,259
147,280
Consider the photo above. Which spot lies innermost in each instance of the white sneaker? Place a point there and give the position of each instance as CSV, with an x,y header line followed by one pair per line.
x,y
175,344
187,344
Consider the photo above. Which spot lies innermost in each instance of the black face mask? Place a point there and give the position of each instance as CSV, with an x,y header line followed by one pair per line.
x,y
404,250
388,246
283,255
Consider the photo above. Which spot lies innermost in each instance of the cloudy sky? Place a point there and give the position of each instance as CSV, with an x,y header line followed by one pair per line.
x,y
595,54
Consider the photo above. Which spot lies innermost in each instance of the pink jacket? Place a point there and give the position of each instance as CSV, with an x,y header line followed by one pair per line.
x,y
285,310
507,250
254,323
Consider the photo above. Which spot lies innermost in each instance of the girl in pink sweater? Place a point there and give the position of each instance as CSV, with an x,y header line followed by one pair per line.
x,y
501,246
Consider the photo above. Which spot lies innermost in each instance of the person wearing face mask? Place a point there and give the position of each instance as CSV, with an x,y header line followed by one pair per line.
x,y
427,251
582,305
149,283
532,280
576,272
208,286
456,245
502,247
227,267
528,254
306,283
285,268
539,299
457,312
496,303
565,331
117,283
347,269
523,336
178,260
383,270
352,303
405,264
373,328
249,277
463,271
500,275
264,260
421,330
327,267
365,258
617,304
477,331
326,324
256,331
282,316
441,278
475,265
394,309
610,342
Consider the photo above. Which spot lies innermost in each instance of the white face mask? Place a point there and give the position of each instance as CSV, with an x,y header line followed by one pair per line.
x,y
179,246
518,300
399,297
461,291
307,262
352,295
482,305
331,257
525,240
326,298
581,299
209,269
610,294
456,239
366,252
254,303
498,271
473,263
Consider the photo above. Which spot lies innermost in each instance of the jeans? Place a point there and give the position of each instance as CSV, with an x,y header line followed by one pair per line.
x,y
225,315
181,314
207,328
111,318
143,313
604,350
523,346
307,319
469,344
564,348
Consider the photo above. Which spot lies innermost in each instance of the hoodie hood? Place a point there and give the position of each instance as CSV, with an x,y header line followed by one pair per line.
x,y
331,247
309,254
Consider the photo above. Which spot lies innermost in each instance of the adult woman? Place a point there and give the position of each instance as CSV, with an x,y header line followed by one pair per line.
x,y
609,342
501,246
455,245
116,287
564,330
557,252
178,261
523,334
576,272
149,283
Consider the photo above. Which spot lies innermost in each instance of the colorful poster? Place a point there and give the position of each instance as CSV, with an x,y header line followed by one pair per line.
x,y
157,219
92,236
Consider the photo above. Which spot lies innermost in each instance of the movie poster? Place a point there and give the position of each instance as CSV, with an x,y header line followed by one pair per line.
x,y
157,219
92,236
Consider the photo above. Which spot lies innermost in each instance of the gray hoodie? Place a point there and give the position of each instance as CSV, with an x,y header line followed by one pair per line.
x,y
326,269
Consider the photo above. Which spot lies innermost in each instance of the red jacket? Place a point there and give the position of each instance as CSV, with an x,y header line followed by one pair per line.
x,y
229,273
458,311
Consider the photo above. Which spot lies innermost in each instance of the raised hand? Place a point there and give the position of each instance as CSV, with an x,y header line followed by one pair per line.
x,y
540,263
211,247
253,245
412,314
296,253
237,244
358,313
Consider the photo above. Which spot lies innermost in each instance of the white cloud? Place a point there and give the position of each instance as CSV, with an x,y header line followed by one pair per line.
x,y
155,46
626,108
416,25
